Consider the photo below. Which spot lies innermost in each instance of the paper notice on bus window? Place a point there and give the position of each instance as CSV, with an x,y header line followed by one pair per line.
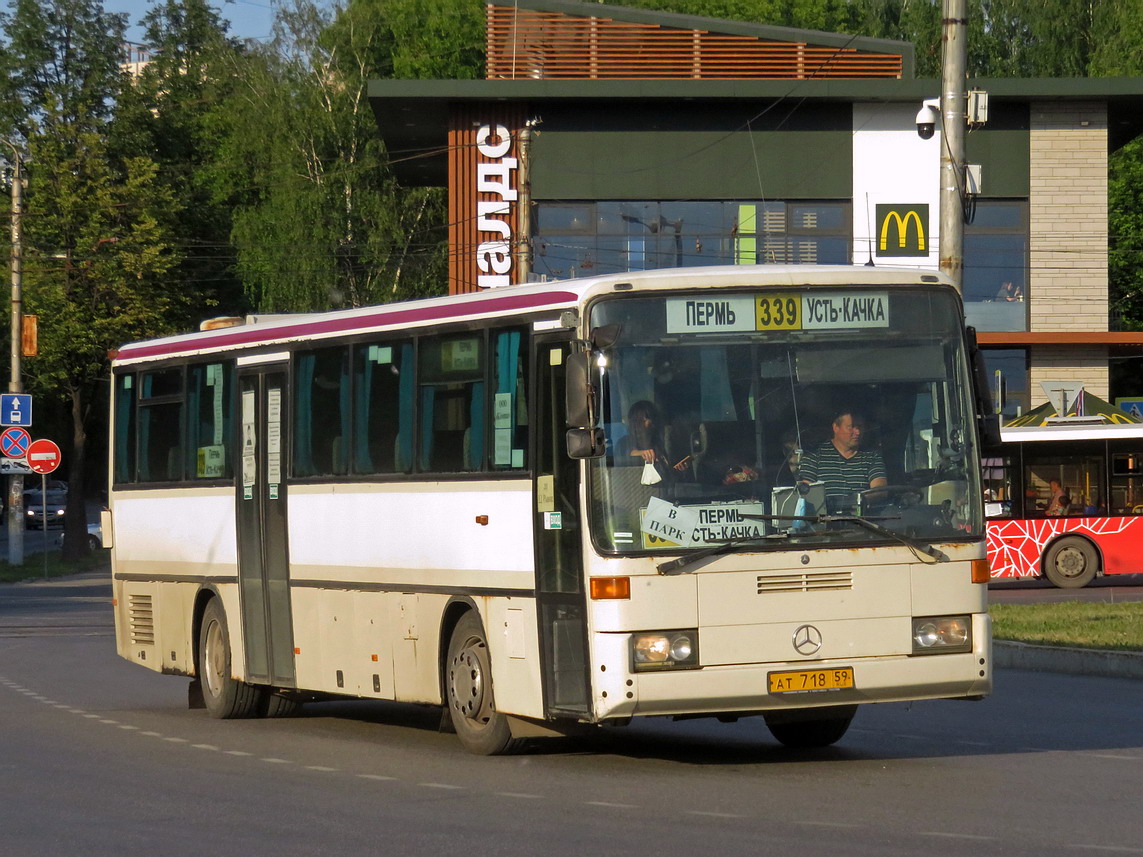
x,y
669,522
274,436
211,462
502,411
502,447
249,440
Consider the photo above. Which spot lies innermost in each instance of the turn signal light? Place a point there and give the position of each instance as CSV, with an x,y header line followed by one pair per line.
x,y
604,588
980,571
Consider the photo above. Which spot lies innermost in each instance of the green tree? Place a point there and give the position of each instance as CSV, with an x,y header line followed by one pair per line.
x,y
176,112
328,226
97,234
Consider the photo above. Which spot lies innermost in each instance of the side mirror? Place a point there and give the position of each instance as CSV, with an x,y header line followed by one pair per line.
x,y
580,394
585,443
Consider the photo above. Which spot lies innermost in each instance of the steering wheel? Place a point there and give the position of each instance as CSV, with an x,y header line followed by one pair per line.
x,y
904,495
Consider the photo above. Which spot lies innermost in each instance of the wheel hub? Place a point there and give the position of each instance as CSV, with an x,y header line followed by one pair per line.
x,y
467,682
1070,562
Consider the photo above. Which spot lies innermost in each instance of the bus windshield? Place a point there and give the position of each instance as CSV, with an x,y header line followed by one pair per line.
x,y
784,420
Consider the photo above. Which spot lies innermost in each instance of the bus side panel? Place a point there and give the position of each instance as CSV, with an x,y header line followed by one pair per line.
x,y
386,559
166,546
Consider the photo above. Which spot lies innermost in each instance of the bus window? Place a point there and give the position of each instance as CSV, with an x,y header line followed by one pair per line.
x,y
451,404
1127,483
383,408
160,426
1080,477
509,400
321,423
125,428
209,410
997,481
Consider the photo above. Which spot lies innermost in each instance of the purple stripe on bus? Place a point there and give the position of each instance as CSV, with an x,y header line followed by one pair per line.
x,y
245,336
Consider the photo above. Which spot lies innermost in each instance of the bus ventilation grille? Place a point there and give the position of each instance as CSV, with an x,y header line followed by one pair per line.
x,y
805,581
142,617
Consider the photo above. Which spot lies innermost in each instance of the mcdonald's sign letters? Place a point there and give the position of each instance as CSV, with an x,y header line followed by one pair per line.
x,y
902,230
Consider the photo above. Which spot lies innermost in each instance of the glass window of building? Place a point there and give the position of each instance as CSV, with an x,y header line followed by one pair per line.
x,y
996,266
609,237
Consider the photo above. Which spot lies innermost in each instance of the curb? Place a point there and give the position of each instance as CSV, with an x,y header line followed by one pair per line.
x,y
1089,662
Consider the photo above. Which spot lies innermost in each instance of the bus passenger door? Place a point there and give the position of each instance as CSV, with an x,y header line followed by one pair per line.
x,y
561,601
263,549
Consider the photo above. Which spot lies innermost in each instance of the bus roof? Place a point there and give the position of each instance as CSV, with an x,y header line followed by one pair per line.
x,y
1075,431
548,297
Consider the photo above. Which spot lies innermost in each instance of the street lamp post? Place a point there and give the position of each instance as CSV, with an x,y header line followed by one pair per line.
x,y
16,383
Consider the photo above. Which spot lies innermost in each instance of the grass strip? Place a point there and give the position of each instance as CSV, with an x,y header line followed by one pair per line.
x,y
33,567
1079,624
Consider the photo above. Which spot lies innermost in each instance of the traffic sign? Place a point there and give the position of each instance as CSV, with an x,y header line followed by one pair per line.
x,y
15,409
12,466
43,456
14,442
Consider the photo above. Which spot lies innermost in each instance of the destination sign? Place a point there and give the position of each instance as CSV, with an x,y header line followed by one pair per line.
x,y
778,311
665,525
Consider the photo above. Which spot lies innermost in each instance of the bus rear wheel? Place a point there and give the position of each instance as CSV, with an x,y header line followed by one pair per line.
x,y
481,729
226,698
1070,563
810,728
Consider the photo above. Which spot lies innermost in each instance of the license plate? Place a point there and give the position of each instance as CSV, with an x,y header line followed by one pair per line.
x,y
810,681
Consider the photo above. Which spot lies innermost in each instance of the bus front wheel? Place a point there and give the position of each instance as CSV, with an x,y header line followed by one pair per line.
x,y
481,729
1070,563
810,728
226,698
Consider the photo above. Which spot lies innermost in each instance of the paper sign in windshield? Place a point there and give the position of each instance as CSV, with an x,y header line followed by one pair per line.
x,y
666,525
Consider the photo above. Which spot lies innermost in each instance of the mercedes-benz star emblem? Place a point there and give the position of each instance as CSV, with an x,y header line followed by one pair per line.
x,y
807,640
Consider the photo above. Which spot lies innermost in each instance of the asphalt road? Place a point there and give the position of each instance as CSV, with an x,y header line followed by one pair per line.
x,y
1111,589
99,757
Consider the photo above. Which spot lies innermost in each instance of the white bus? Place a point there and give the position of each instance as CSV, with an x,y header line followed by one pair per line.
x,y
435,502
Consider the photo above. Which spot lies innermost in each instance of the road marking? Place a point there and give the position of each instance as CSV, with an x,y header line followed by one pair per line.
x,y
152,734
519,795
1116,849
106,720
713,814
272,761
177,740
943,835
128,727
236,753
378,777
322,768
205,747
439,786
1113,756
611,805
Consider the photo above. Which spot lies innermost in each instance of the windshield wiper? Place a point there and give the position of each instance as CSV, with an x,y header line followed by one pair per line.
x,y
680,565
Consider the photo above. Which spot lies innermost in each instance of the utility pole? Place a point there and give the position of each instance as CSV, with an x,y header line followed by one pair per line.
x,y
954,62
16,383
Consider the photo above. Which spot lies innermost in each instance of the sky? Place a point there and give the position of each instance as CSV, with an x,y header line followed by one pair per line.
x,y
249,19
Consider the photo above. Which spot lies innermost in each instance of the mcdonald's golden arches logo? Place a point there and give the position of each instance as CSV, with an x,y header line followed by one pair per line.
x,y
902,230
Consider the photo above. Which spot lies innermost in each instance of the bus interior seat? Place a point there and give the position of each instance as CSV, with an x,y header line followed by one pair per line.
x,y
720,445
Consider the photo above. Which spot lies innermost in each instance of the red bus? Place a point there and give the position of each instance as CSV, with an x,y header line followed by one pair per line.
x,y
1094,527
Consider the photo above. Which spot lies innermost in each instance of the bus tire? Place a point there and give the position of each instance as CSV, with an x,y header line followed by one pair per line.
x,y
279,704
468,690
810,728
224,696
1070,563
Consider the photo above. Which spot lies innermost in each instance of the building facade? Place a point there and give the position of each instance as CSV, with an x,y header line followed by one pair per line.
x,y
608,139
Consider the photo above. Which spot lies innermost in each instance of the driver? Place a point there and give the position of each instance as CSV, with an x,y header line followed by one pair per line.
x,y
844,468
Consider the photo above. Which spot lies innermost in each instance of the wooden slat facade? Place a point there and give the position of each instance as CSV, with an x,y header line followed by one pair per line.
x,y
465,156
529,44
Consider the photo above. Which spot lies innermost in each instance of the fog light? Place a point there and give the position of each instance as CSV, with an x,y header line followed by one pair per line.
x,y
657,650
942,634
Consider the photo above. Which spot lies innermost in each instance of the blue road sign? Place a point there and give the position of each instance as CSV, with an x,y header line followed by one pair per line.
x,y
15,409
14,442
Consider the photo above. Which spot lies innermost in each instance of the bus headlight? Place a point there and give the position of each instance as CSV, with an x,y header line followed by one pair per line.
x,y
659,650
933,635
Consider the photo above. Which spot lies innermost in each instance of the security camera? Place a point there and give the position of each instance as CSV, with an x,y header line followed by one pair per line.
x,y
927,118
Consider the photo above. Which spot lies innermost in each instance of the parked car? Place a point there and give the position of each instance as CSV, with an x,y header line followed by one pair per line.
x,y
35,505
94,536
